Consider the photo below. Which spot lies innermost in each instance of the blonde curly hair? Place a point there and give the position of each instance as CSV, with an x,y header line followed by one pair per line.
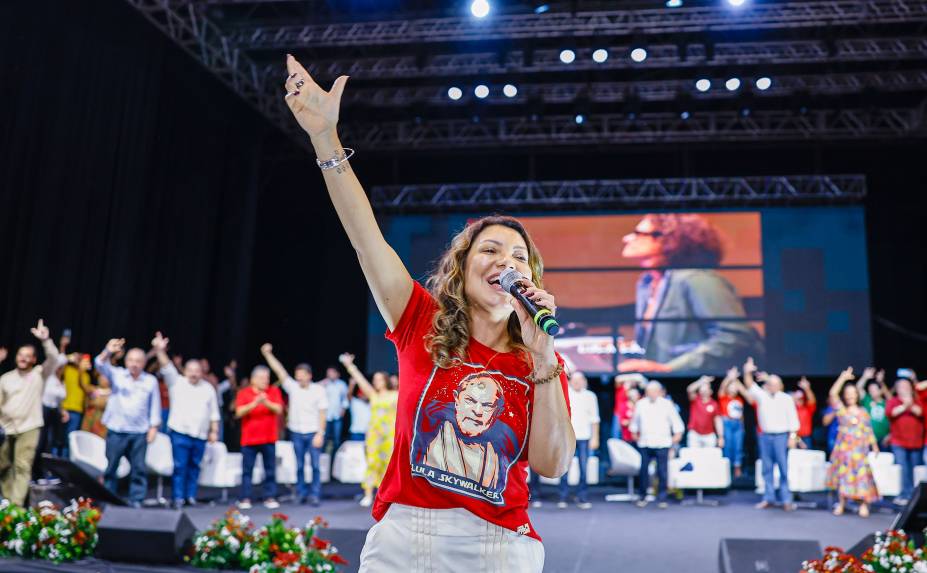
x,y
450,333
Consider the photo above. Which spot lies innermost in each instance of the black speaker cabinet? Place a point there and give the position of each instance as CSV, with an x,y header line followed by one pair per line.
x,y
765,555
144,535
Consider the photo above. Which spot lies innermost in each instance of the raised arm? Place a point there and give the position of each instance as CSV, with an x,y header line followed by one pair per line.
x,y
837,387
880,378
102,360
867,375
692,389
317,112
356,375
40,331
267,350
805,386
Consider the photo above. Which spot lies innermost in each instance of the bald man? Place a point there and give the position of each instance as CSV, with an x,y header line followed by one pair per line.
x,y
132,416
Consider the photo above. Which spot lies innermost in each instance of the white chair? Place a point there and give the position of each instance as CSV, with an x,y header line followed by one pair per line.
x,y
350,463
886,472
700,469
220,468
88,451
807,472
159,458
625,461
285,472
920,474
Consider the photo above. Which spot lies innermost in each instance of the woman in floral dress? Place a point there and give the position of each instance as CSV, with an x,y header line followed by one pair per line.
x,y
384,397
849,471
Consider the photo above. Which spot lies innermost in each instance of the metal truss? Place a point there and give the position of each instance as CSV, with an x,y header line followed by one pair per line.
x,y
658,56
205,41
618,129
620,192
779,15
656,90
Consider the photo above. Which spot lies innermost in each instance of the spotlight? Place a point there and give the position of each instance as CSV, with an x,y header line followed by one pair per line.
x,y
673,3
763,83
599,56
638,55
703,84
745,111
567,56
736,3
732,84
509,90
541,8
455,93
481,91
684,115
579,119
479,8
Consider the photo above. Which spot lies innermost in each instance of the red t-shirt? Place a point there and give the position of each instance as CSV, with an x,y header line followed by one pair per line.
x,y
621,399
461,433
732,408
805,419
702,416
259,426
907,430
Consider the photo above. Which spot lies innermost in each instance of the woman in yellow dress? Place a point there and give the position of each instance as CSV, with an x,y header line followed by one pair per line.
x,y
383,396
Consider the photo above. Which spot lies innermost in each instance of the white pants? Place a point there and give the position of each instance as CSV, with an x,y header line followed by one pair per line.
x,y
696,440
416,540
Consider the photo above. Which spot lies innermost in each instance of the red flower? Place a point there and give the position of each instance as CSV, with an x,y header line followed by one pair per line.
x,y
337,559
320,544
284,559
280,516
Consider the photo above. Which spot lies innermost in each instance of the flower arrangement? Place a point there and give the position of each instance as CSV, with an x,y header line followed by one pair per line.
x,y
893,552
232,542
47,532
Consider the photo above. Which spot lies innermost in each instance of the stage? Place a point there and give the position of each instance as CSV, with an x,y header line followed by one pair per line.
x,y
607,538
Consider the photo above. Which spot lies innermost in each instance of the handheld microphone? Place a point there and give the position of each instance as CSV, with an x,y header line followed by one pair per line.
x,y
541,316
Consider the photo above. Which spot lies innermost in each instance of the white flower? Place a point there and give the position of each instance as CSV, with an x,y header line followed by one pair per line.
x,y
233,543
920,567
225,532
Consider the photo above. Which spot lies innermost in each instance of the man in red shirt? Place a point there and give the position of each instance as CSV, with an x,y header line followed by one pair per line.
x,y
805,404
706,429
259,406
906,434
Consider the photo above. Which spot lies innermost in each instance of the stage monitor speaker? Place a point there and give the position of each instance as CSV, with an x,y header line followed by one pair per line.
x,y
75,482
144,535
765,555
913,518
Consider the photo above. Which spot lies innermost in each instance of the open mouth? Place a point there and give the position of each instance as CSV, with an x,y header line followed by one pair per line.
x,y
493,281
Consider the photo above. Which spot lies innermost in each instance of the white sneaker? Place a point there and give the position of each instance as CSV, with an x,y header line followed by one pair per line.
x,y
244,504
584,505
271,503
561,505
366,501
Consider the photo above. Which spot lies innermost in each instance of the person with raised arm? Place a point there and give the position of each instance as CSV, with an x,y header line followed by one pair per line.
x,y
131,417
378,444
305,421
849,473
706,429
876,394
21,414
778,418
805,404
731,397
193,420
476,376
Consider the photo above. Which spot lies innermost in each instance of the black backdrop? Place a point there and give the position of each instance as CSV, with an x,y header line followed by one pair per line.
x,y
138,193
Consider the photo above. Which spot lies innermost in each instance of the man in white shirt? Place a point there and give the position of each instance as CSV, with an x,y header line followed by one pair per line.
x,y
21,414
306,419
584,415
656,427
778,423
193,420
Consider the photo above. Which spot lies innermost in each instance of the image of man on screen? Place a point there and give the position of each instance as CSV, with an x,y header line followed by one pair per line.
x,y
688,317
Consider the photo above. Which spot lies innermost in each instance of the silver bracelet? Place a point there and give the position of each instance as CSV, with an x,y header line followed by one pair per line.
x,y
335,161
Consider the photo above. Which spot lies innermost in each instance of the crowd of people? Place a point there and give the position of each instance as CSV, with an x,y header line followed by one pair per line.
x,y
128,396
151,392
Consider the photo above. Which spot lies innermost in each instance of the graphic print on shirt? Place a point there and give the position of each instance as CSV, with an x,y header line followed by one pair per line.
x,y
470,428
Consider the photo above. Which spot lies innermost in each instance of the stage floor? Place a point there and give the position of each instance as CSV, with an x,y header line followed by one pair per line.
x,y
609,537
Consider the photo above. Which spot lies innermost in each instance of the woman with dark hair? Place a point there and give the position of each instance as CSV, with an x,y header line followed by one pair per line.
x,y
849,472
436,504
689,317
382,395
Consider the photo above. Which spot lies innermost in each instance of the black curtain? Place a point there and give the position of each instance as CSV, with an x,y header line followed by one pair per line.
x,y
129,182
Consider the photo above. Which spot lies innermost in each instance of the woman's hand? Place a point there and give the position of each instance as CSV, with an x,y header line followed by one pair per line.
x,y
346,359
315,109
539,343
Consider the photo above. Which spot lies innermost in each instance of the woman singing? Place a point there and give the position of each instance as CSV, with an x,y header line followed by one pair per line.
x,y
482,394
